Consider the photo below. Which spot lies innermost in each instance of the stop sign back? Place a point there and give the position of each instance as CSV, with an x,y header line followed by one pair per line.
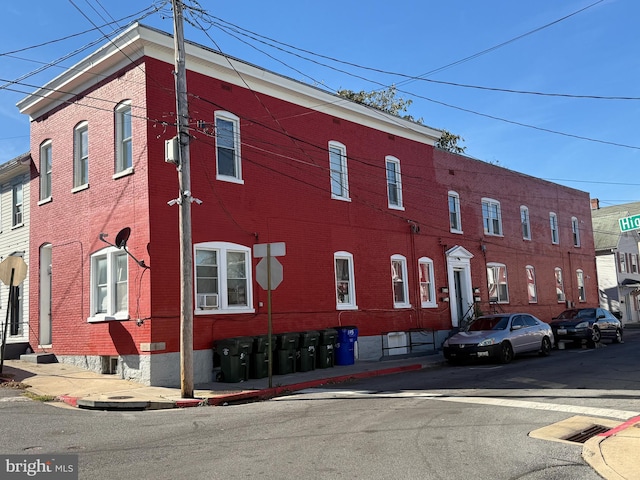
x,y
276,273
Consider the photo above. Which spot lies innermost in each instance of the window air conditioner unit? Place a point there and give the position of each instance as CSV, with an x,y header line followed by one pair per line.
x,y
209,301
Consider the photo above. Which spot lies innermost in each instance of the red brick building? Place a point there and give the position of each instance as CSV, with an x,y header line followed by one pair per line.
x,y
382,231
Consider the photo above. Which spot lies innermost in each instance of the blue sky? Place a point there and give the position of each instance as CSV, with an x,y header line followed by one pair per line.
x,y
477,57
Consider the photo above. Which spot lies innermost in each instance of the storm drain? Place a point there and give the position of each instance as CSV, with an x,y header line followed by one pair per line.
x,y
583,435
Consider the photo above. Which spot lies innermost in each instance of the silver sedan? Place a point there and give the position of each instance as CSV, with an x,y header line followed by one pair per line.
x,y
501,337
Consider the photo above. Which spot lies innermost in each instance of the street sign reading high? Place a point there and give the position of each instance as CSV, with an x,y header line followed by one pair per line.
x,y
629,223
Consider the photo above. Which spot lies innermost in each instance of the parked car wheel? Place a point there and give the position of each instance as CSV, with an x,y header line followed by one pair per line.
x,y
545,348
506,352
618,337
595,338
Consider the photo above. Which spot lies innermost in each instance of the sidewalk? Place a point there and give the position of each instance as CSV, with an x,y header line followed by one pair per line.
x,y
85,389
612,454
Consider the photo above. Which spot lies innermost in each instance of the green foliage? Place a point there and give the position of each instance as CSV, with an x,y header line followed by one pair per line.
x,y
388,101
449,142
384,100
39,398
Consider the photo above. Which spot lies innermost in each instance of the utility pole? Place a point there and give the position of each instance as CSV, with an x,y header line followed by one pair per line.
x,y
184,203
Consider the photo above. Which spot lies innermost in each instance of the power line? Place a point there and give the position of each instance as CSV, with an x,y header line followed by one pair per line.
x,y
448,105
409,78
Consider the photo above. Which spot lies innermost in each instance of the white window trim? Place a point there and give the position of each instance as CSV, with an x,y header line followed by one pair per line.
x,y
489,230
342,174
622,262
389,159
579,278
78,159
47,145
575,230
15,224
553,227
432,288
405,282
120,168
456,197
498,265
352,305
235,120
563,295
111,253
222,248
535,284
524,210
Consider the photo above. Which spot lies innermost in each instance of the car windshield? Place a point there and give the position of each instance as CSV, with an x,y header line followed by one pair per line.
x,y
488,323
578,313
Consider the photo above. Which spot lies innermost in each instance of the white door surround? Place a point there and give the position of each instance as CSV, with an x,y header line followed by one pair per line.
x,y
459,278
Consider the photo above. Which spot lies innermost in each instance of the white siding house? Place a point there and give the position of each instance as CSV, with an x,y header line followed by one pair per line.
x,y
617,260
14,240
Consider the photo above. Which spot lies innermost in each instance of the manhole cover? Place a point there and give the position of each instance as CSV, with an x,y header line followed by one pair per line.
x,y
583,435
121,397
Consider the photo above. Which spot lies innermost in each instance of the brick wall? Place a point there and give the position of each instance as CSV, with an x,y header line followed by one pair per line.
x,y
285,198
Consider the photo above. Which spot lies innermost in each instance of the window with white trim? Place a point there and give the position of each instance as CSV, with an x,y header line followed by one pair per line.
x,y
491,217
525,222
228,158
345,284
109,285
427,284
559,285
634,262
497,283
394,183
622,262
124,138
399,281
17,200
553,224
81,155
338,171
582,293
532,289
455,223
222,278
575,230
45,169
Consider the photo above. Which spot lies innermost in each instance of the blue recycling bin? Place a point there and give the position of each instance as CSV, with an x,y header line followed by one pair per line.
x,y
345,345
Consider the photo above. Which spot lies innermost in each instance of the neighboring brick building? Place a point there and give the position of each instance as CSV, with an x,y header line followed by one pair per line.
x,y
382,231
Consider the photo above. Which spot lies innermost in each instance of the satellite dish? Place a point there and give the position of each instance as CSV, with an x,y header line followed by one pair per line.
x,y
122,237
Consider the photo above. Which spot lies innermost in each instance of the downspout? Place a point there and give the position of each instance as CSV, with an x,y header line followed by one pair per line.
x,y
414,229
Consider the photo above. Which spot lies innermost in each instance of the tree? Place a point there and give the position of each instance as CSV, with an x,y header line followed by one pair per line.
x,y
449,142
384,100
388,101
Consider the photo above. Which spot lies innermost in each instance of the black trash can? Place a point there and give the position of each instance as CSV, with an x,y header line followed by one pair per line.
x,y
308,346
260,356
285,355
234,358
345,346
326,348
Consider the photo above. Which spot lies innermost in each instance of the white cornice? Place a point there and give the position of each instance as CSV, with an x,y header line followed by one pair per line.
x,y
138,41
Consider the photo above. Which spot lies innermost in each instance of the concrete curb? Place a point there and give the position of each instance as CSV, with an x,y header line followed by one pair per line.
x,y
265,394
592,452
244,396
